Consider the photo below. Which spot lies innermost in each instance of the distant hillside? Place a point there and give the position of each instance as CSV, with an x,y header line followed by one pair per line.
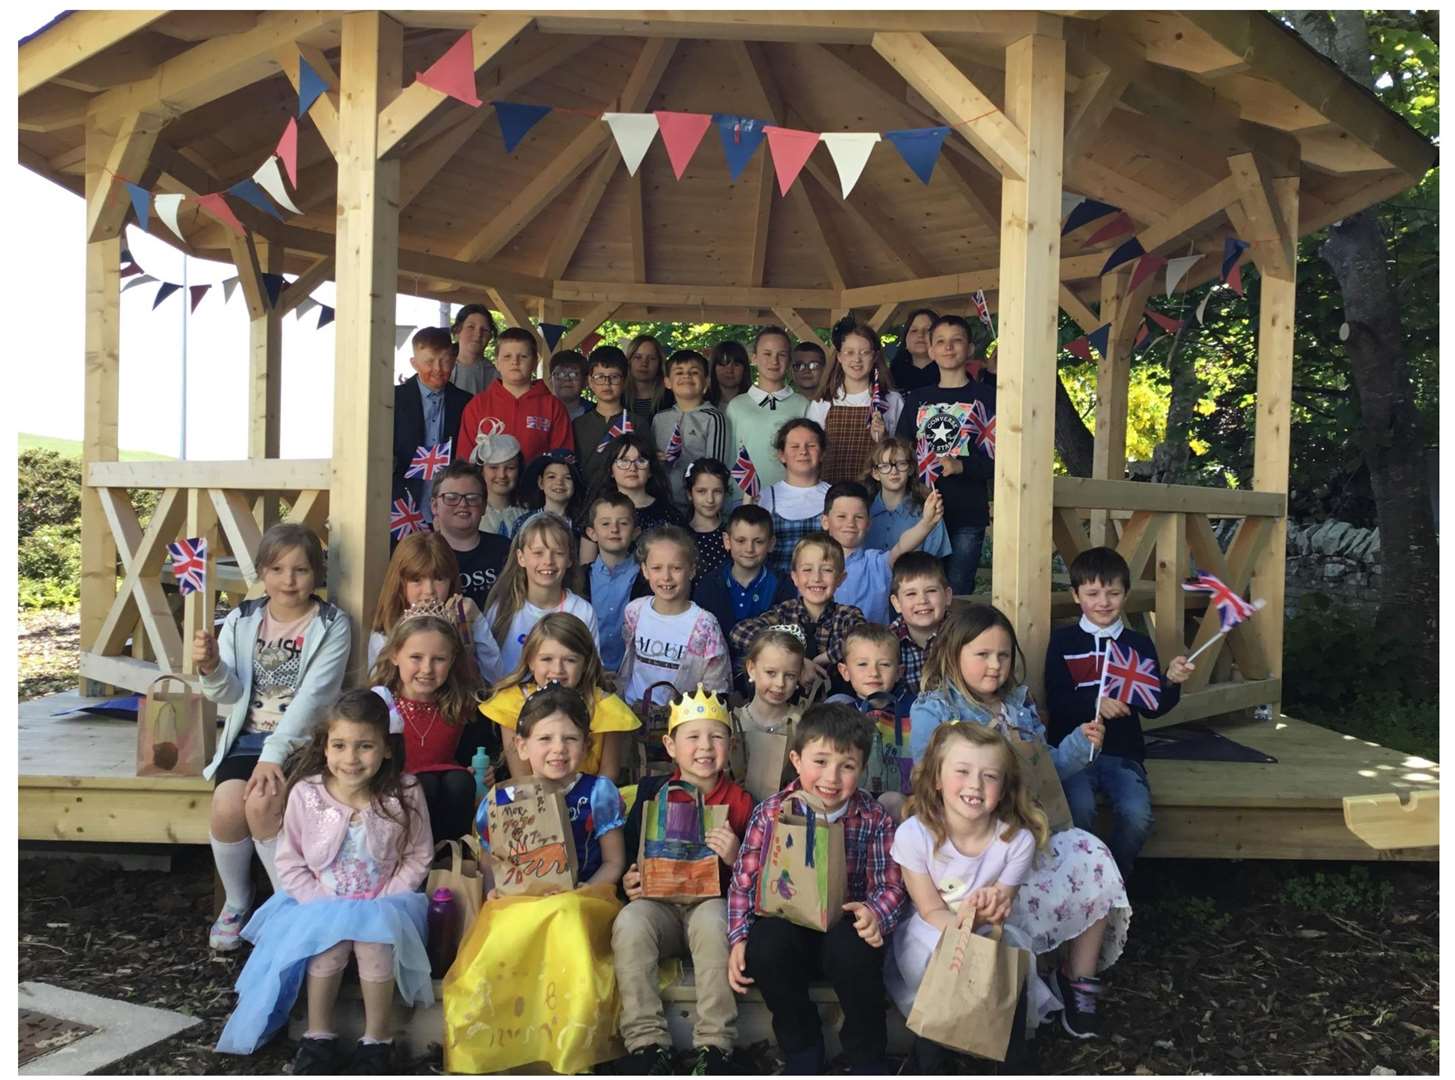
x,y
72,448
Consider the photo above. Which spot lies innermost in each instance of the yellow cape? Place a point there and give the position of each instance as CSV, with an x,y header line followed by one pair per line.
x,y
608,713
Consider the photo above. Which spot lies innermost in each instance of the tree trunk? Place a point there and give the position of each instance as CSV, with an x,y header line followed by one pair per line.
x,y
1072,438
1389,430
1172,456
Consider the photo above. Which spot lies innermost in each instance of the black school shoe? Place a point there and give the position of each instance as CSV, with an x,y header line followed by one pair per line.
x,y
316,1057
1078,1015
711,1061
649,1061
373,1059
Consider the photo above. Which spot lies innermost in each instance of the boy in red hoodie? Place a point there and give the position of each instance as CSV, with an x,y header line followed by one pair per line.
x,y
517,403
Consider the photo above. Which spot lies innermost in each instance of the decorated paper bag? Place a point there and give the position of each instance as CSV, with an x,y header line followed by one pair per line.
x,y
1041,778
175,733
803,876
532,852
890,764
967,998
674,859
759,759
458,869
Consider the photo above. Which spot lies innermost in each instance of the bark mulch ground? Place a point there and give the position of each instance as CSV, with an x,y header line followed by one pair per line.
x,y
46,652
1230,968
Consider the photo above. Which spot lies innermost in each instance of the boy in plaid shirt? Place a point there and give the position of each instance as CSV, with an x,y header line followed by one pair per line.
x,y
920,594
830,746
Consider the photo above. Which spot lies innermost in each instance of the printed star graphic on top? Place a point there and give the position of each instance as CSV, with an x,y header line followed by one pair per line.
x,y
942,431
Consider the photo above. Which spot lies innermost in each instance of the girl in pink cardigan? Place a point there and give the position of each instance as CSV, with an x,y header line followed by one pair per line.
x,y
354,850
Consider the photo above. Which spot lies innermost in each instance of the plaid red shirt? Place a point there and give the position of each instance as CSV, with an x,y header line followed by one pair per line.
x,y
872,875
911,656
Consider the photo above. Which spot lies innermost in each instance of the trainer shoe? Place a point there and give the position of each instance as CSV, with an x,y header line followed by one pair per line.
x,y
372,1059
316,1057
1078,1016
711,1061
649,1061
226,932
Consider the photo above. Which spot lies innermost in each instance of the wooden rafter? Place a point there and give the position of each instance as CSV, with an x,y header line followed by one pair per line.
x,y
299,288
797,325
85,34
1092,102
825,235
694,295
861,207
1082,315
249,273
130,153
1274,247
847,26
424,163
637,226
751,60
324,112
587,325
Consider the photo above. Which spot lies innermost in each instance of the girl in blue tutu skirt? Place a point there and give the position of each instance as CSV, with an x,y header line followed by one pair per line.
x,y
354,850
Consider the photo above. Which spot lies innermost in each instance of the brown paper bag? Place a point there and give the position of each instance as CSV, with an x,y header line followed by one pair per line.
x,y
532,852
1041,779
968,996
765,770
803,876
175,733
458,870
675,862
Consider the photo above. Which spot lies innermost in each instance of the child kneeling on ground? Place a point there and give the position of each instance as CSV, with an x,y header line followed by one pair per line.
x,y
698,740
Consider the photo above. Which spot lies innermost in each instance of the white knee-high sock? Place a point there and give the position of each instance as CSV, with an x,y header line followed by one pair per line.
x,y
234,866
267,849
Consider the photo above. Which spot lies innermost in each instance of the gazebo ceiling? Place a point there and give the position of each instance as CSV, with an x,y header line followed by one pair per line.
x,y
1156,103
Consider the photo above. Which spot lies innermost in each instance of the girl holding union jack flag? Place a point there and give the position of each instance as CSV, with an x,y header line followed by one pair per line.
x,y
856,403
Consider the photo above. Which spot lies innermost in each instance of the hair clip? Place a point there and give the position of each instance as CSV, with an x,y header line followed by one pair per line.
x,y
396,718
790,628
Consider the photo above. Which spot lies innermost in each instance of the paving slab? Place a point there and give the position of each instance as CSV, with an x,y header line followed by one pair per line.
x,y
121,1028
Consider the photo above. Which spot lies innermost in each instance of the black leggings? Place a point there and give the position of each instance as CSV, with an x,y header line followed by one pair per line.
x,y
450,796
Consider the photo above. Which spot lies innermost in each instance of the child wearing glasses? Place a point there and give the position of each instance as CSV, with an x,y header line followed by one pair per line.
x,y
606,373
899,498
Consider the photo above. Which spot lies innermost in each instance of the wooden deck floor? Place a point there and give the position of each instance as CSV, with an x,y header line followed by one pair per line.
x,y
77,782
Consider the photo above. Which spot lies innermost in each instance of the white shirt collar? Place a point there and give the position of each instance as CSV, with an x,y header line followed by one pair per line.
x,y
1113,631
758,394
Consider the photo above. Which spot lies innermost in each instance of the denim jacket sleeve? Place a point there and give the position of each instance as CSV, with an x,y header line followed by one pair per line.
x,y
928,712
1073,754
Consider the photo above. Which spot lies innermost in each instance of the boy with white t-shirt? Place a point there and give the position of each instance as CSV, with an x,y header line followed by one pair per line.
x,y
668,637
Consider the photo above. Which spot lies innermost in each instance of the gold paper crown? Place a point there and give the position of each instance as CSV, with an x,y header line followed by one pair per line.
x,y
698,706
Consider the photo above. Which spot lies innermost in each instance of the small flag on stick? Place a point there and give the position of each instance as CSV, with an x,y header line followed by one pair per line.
x,y
189,564
429,460
674,445
617,429
928,466
1130,679
746,473
405,518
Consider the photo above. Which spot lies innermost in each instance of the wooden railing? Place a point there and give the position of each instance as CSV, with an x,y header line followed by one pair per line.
x,y
228,503
1169,530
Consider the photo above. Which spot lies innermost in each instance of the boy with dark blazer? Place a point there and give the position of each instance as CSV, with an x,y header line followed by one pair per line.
x,y
427,411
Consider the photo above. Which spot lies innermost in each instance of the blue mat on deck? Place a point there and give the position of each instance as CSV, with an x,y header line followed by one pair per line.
x,y
1197,742
122,708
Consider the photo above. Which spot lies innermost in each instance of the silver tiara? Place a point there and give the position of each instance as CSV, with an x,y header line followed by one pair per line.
x,y
790,628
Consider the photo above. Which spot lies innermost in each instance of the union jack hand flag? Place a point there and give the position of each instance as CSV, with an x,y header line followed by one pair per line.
x,y
429,460
617,430
1232,608
674,445
877,402
983,309
929,466
189,564
981,426
1130,679
746,473
405,518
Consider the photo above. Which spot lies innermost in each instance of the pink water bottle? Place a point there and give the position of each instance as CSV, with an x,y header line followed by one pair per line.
x,y
443,925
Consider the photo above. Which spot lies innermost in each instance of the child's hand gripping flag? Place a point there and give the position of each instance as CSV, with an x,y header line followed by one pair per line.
x,y
429,460
746,474
878,404
674,445
619,427
189,564
928,465
405,518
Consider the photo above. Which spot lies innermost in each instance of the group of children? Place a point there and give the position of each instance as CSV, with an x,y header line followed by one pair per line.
x,y
824,607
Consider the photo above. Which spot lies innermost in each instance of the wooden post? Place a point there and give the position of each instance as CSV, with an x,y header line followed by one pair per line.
x,y
1030,254
1271,433
368,270
102,385
1113,379
265,377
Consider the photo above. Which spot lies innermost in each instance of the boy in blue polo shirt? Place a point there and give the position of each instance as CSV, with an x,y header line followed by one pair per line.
x,y
614,576
867,570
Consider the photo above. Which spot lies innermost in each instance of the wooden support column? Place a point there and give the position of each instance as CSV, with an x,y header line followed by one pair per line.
x,y
1272,431
1030,254
265,376
368,270
103,388
1113,378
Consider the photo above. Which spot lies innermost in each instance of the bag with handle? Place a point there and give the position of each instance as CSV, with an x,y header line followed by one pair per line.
x,y
532,851
968,996
674,859
175,733
1042,780
763,769
456,867
654,716
803,877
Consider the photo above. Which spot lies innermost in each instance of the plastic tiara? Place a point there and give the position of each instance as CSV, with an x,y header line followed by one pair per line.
x,y
789,628
435,608
699,706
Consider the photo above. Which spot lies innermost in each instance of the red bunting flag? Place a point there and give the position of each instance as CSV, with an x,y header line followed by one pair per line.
x,y
1117,226
217,206
288,150
198,292
1080,347
682,133
1147,265
790,150
453,74
1166,322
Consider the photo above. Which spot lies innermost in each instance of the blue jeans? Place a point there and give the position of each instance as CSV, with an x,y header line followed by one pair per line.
x,y
1124,783
966,542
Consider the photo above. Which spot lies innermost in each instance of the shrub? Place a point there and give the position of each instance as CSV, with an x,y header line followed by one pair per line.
x,y
50,567
50,490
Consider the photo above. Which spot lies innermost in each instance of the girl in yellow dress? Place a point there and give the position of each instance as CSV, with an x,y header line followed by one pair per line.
x,y
534,979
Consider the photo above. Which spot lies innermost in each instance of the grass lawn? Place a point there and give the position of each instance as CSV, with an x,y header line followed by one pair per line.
x,y
72,448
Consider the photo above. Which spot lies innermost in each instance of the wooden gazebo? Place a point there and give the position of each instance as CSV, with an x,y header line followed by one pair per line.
x,y
1198,125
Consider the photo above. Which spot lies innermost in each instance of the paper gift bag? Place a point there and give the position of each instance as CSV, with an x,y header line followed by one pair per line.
x,y
456,867
532,852
967,998
1041,779
674,860
803,876
890,765
760,768
175,732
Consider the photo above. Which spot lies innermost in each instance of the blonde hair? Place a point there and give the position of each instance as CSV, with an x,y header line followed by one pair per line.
x,y
773,637
507,595
418,556
1016,809
564,629
456,697
962,626
832,549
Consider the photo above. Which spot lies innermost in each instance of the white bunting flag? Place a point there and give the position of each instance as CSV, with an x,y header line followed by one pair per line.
x,y
166,207
402,335
227,287
850,151
1177,270
1202,307
305,305
140,279
634,133
1070,202
270,178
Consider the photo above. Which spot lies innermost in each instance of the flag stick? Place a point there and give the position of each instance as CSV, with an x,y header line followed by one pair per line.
x,y
1203,648
1096,712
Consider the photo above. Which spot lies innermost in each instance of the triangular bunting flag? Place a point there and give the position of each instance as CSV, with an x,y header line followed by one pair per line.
x,y
1235,279
790,150
165,291
850,151
592,340
453,74
273,285
920,148
1177,270
1085,212
682,133
310,86
634,133
552,333
227,287
401,335
269,177
287,150
217,206
142,280
1070,201
198,292
1142,334
1166,322
141,202
1148,265
741,136
130,269
1202,307
305,305
167,207
1079,347
249,192
1117,226
1124,254
325,315
1233,249
1099,337
516,120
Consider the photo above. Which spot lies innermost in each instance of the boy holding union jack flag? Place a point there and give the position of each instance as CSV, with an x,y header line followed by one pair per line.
x,y
1099,666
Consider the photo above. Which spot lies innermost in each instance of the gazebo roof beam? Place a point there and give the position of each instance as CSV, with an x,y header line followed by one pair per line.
x,y
131,151
751,59
86,34
324,111
637,226
1273,247
693,295
862,207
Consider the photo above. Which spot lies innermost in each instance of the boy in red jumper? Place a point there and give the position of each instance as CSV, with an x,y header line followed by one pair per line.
x,y
517,403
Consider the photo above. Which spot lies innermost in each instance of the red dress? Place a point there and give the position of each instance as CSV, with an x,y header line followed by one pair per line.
x,y
430,741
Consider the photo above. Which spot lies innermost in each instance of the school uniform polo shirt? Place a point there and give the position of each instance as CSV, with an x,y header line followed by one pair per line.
x,y
866,583
886,526
611,588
